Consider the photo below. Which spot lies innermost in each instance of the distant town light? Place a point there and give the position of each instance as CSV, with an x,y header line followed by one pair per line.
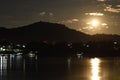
x,y
23,46
69,45
18,45
87,45
31,54
115,42
2,49
79,55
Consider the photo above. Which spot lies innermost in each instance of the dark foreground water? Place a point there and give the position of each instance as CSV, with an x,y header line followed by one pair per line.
x,y
20,68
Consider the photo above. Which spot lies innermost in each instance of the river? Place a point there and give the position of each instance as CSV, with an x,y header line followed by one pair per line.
x,y
58,68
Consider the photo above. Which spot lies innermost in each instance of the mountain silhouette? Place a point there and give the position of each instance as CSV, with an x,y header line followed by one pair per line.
x,y
45,31
42,31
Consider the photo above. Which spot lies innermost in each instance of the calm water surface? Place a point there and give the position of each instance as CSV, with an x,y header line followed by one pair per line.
x,y
34,68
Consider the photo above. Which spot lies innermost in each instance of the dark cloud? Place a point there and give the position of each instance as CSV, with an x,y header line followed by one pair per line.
x,y
111,5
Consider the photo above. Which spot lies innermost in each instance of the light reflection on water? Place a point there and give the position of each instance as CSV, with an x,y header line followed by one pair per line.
x,y
95,68
3,67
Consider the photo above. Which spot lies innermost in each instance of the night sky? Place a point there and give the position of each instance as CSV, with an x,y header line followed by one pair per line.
x,y
88,16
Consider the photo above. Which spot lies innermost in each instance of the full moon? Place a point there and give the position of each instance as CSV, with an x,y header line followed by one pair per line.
x,y
95,23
